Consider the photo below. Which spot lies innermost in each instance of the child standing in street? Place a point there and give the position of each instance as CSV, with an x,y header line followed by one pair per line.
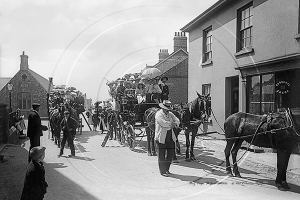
x,y
35,185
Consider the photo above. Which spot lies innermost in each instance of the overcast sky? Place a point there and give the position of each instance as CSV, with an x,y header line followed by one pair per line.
x,y
80,42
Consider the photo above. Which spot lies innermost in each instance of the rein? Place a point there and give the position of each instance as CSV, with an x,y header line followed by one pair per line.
x,y
264,132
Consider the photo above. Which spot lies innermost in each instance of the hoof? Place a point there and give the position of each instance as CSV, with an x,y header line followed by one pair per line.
x,y
229,173
238,175
154,154
149,154
193,158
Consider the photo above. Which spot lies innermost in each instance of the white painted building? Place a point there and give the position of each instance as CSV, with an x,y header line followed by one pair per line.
x,y
246,54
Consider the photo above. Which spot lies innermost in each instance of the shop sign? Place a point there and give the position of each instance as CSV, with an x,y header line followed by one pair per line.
x,y
282,87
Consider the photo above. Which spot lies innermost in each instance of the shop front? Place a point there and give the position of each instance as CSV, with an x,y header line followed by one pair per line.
x,y
272,87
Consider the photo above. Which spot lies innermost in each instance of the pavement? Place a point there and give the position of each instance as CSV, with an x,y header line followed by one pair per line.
x,y
105,182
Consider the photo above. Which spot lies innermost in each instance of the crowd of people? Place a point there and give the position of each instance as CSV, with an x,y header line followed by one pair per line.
x,y
106,120
127,92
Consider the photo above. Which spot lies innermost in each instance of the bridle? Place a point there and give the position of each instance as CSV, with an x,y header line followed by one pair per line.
x,y
288,114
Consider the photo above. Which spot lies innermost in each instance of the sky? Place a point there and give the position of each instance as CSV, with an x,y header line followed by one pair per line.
x,y
85,43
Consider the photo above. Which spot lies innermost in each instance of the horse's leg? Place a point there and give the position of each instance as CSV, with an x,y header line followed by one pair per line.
x,y
234,151
227,151
194,132
153,145
187,143
178,147
148,140
282,164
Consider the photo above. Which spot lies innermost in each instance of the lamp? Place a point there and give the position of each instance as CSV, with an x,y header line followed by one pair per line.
x,y
10,87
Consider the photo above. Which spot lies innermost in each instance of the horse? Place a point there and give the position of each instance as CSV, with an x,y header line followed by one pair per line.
x,y
275,130
56,115
149,118
194,114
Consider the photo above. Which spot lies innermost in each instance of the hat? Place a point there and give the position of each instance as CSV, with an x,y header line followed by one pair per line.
x,y
166,104
141,83
164,77
35,105
66,112
36,152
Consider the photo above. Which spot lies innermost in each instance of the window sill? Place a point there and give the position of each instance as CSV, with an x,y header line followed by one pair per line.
x,y
208,62
244,51
297,37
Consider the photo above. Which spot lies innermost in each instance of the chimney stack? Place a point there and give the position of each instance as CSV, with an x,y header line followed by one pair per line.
x,y
180,41
24,62
163,54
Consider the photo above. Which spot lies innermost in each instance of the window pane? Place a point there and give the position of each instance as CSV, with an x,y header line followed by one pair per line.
x,y
243,15
28,103
268,88
20,104
242,24
251,10
247,22
247,12
208,48
247,42
250,21
24,103
254,95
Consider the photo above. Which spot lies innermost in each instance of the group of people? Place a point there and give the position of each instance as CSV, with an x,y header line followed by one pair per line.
x,y
35,185
148,91
105,118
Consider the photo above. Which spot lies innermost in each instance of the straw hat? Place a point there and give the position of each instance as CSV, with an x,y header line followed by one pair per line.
x,y
166,104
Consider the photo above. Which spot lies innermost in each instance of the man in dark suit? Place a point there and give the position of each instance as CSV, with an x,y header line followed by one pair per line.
x,y
112,121
35,128
164,88
68,125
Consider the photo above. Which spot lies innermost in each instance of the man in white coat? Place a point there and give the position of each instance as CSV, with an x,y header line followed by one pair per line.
x,y
165,138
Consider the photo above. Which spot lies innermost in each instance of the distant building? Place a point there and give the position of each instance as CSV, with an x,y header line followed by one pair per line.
x,y
28,87
175,67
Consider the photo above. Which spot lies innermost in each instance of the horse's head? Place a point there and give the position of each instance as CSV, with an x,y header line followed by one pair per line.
x,y
185,115
201,107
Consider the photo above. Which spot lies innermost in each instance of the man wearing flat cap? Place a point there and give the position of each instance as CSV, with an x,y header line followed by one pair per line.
x,y
35,127
68,126
165,138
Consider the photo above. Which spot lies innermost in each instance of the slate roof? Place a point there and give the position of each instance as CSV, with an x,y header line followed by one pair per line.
x,y
165,68
43,81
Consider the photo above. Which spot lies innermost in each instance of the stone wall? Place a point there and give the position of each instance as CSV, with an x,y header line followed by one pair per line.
x,y
24,81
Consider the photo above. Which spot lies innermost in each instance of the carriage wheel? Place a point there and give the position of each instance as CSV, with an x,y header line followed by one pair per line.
x,y
131,137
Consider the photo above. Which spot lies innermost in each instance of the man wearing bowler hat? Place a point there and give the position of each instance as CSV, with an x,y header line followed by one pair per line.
x,y
164,88
35,127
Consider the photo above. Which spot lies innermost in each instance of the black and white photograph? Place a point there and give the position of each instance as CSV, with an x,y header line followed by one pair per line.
x,y
149,99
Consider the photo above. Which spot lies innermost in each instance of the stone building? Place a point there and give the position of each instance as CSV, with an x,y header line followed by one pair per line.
x,y
175,67
28,87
